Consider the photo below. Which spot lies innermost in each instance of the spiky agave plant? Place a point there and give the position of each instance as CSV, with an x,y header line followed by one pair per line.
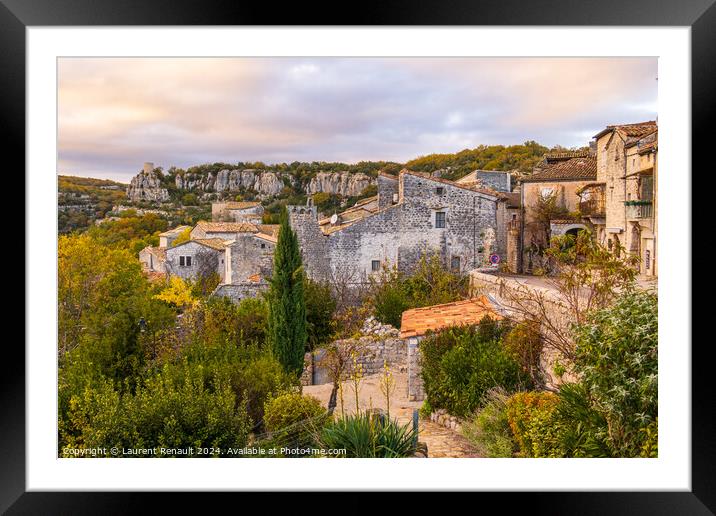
x,y
368,436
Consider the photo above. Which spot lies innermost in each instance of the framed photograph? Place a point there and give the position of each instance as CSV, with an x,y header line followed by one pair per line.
x,y
431,237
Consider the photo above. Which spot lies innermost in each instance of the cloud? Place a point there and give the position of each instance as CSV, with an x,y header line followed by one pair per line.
x,y
115,113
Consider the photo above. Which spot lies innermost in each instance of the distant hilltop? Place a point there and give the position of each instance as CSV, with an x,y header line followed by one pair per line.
x,y
215,181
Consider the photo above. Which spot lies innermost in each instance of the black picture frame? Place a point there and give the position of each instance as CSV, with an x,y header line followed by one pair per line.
x,y
700,15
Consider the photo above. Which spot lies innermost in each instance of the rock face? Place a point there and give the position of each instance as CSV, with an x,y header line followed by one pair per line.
x,y
147,186
265,183
340,183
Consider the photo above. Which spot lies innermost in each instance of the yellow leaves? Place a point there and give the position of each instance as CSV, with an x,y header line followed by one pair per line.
x,y
178,293
184,236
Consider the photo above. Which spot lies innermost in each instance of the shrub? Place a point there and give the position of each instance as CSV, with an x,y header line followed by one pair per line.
x,y
460,364
259,379
320,307
392,292
367,436
616,357
294,419
532,419
489,430
161,412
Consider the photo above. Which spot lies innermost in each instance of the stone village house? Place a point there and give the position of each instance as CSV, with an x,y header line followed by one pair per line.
x,y
559,177
611,190
413,214
627,171
241,254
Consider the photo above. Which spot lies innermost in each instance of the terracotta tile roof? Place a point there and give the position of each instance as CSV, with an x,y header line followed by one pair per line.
x,y
643,149
154,276
264,236
388,176
359,211
559,156
419,321
227,227
269,229
215,243
159,252
575,169
173,232
631,130
241,205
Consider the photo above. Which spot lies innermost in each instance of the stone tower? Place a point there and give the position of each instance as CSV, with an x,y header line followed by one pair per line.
x,y
304,221
148,167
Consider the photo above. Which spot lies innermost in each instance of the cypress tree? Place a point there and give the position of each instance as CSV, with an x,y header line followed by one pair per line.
x,y
287,309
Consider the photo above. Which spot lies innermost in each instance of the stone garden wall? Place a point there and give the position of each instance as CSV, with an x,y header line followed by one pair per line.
x,y
379,345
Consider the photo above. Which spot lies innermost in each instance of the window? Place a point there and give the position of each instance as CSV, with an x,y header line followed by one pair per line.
x,y
263,246
455,263
647,259
181,261
439,219
440,190
375,265
395,198
188,261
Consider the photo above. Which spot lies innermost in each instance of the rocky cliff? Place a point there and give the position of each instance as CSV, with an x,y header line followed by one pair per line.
x,y
147,186
341,183
262,182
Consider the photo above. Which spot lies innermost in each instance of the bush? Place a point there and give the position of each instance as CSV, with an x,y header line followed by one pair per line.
x,y
392,292
320,307
161,413
460,364
369,436
616,357
294,419
489,430
533,421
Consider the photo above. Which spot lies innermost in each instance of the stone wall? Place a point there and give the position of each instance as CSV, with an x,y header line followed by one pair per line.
x,y
198,253
400,234
499,181
240,291
416,390
500,290
249,255
387,188
373,353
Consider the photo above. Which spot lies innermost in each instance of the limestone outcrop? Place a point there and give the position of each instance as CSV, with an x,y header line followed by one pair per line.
x,y
340,183
147,186
262,182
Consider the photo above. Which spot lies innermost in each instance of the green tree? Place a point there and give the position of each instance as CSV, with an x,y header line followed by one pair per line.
x,y
287,307
320,307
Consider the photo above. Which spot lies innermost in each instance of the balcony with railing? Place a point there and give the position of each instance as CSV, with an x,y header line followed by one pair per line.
x,y
639,209
594,207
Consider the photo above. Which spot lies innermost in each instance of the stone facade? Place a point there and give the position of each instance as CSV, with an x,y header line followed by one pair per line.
x,y
249,255
457,222
192,258
236,212
237,292
627,167
498,181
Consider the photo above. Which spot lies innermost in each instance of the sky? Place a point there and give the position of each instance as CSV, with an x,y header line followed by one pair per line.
x,y
116,113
